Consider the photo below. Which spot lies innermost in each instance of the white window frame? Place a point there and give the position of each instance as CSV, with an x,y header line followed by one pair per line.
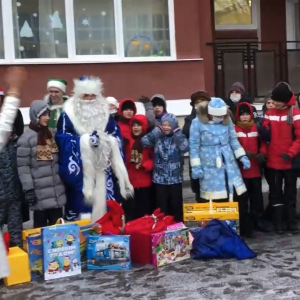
x,y
9,49
255,15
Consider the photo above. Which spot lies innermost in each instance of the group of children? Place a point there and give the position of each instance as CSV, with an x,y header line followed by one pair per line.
x,y
230,147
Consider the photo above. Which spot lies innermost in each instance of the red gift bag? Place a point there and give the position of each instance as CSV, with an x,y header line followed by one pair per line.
x,y
140,231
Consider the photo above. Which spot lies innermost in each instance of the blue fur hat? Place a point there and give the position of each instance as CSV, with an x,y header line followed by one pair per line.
x,y
171,119
217,107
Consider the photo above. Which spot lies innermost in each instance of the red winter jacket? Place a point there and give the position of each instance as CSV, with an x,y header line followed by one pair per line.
x,y
248,138
141,177
124,123
284,138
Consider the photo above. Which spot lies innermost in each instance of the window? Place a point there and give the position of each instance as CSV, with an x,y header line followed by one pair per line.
x,y
235,14
41,31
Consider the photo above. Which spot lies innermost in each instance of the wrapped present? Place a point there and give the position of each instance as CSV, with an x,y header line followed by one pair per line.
x,y
61,251
140,231
36,231
112,222
198,214
19,267
110,252
170,246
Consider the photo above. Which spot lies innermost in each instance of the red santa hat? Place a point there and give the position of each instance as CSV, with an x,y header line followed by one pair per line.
x,y
1,91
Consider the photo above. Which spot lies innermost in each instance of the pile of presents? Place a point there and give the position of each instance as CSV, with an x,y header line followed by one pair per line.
x,y
65,249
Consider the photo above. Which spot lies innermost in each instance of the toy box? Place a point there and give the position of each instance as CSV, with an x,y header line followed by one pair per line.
x,y
108,252
35,255
19,267
61,251
198,214
170,246
36,231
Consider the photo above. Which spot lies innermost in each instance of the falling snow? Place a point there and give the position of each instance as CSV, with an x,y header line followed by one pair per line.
x,y
19,4
103,13
21,48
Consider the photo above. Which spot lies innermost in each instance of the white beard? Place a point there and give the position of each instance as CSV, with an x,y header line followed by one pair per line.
x,y
94,115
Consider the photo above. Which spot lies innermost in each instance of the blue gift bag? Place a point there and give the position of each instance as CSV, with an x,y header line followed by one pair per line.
x,y
61,251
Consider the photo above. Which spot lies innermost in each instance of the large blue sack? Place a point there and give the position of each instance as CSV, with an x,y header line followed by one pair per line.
x,y
218,240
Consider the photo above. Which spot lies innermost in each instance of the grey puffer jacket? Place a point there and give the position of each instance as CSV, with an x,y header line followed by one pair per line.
x,y
41,176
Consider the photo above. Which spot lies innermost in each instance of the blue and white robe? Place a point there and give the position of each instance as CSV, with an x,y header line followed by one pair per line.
x,y
87,187
215,148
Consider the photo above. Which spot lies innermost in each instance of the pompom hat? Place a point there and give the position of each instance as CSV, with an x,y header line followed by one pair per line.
x,y
217,107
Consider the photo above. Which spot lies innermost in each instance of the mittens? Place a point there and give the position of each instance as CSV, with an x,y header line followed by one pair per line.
x,y
260,158
285,157
197,172
246,162
94,139
250,154
144,99
30,197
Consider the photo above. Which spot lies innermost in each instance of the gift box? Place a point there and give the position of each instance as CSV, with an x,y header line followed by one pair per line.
x,y
170,246
140,231
35,255
198,214
36,231
110,252
61,251
19,267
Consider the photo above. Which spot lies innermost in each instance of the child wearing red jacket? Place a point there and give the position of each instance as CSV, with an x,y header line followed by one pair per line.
x,y
139,163
280,133
248,137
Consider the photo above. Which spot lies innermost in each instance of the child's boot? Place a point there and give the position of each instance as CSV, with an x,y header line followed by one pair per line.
x,y
277,219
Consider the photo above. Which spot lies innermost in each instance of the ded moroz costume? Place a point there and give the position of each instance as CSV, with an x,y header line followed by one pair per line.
x,y
90,147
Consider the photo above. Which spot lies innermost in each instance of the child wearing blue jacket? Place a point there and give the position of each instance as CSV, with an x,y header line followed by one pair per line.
x,y
169,145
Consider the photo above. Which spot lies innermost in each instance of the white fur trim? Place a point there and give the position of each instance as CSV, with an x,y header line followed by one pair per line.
x,y
86,216
89,86
195,162
240,189
99,195
221,111
89,170
118,166
239,153
213,195
1,93
56,84
113,101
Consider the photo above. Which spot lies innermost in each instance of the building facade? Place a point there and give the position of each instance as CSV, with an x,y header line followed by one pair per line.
x,y
143,47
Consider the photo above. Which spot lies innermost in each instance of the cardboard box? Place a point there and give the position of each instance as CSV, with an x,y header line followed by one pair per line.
x,y
19,267
170,246
108,252
198,214
35,255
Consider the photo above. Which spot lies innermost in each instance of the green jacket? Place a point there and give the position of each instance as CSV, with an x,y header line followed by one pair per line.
x,y
56,111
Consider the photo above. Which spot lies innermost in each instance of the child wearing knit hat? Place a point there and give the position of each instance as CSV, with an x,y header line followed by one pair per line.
x,y
280,134
113,105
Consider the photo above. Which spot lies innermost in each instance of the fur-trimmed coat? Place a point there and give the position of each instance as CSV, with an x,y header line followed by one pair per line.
x,y
88,188
215,148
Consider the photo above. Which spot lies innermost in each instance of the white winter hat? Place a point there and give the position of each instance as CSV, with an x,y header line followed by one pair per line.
x,y
113,101
57,83
217,107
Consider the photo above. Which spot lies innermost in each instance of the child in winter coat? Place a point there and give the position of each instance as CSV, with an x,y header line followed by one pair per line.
x,y
159,104
113,107
280,133
198,99
248,137
139,163
37,159
169,146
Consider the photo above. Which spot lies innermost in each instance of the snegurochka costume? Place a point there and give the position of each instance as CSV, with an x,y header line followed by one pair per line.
x,y
90,152
56,109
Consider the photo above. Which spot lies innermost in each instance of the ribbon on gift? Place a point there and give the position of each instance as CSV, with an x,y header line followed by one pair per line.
x,y
6,239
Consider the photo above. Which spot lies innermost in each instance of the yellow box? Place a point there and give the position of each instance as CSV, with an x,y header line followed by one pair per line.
x,y
197,214
19,267
36,231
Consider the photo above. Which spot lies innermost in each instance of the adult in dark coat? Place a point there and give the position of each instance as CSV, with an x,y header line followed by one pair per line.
x,y
198,99
18,130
